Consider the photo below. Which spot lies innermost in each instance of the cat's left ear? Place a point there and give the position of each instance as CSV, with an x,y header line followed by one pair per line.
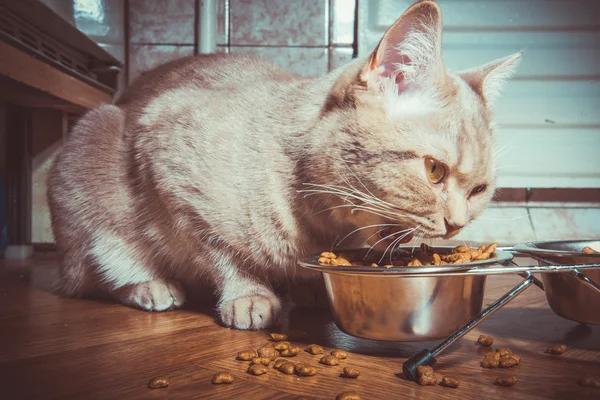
x,y
489,79
410,51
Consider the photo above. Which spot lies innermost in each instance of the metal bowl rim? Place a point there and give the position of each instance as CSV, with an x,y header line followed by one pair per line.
x,y
531,248
499,258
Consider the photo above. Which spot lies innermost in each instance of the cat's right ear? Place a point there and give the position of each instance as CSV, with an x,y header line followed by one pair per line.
x,y
410,52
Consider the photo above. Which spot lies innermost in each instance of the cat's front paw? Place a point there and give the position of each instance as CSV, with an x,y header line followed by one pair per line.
x,y
153,295
251,312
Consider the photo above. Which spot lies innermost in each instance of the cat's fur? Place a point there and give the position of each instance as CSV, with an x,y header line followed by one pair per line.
x,y
201,169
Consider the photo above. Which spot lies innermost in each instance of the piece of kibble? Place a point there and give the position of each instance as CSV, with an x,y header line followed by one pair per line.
x,y
509,361
426,376
590,381
415,263
556,349
287,368
491,248
507,380
328,254
325,261
351,373
261,360
503,351
314,349
330,360
589,250
374,265
268,352
158,383
246,355
348,396
257,369
437,260
291,352
278,337
280,346
341,262
450,382
388,266
485,340
222,377
305,370
341,354
482,256
279,362
461,249
491,360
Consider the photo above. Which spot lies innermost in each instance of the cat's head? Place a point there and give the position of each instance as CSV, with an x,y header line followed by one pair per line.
x,y
412,143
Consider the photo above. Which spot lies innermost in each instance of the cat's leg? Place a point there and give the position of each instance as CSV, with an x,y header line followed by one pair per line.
x,y
245,302
126,276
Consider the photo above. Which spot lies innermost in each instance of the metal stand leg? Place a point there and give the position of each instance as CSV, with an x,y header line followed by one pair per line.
x,y
587,280
427,357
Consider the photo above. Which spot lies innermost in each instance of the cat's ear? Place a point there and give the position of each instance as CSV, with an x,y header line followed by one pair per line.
x,y
410,51
489,79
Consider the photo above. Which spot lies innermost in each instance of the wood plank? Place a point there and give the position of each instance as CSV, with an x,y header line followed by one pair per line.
x,y
52,347
26,69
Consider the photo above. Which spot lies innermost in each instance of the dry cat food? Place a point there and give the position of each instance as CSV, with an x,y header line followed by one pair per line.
x,y
278,337
287,368
502,357
280,346
509,361
556,349
426,376
491,360
329,258
485,340
279,362
503,351
450,382
222,377
507,380
330,360
348,396
589,250
315,349
351,373
291,352
590,381
268,352
246,355
261,360
305,370
341,354
460,255
158,383
257,369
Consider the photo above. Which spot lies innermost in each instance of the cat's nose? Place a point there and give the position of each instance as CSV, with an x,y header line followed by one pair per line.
x,y
452,226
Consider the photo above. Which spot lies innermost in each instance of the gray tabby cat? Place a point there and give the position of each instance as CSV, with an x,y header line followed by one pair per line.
x,y
229,169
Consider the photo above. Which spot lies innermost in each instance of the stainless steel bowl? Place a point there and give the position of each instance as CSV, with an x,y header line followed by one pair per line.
x,y
566,295
397,304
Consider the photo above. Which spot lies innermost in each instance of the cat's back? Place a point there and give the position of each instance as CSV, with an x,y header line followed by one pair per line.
x,y
211,72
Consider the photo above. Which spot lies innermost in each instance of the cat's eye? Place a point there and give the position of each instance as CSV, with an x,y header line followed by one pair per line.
x,y
478,189
435,170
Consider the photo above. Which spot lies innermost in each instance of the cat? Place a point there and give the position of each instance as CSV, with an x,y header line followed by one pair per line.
x,y
228,168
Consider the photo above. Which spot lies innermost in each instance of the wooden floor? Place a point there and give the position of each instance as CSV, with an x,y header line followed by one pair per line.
x,y
55,348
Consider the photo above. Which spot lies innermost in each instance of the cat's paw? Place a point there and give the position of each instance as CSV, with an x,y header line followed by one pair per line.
x,y
251,312
153,295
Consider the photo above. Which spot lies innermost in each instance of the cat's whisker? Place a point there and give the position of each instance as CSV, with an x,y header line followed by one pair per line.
x,y
356,207
408,232
340,189
362,228
369,238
